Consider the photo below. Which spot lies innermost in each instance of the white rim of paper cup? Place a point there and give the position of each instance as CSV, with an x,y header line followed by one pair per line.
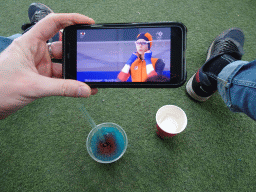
x,y
94,130
184,125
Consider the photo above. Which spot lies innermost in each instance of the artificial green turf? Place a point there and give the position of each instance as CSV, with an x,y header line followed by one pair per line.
x,y
43,145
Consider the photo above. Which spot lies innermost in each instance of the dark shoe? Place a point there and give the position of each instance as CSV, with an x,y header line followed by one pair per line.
x,y
227,47
36,12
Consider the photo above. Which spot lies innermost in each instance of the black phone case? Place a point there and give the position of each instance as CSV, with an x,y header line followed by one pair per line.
x,y
182,73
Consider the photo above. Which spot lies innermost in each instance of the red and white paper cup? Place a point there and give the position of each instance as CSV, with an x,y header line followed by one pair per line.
x,y
170,120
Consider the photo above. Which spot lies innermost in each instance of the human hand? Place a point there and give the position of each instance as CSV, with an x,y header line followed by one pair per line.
x,y
147,56
133,57
27,72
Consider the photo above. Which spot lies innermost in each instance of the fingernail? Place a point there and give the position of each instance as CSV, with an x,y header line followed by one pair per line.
x,y
83,91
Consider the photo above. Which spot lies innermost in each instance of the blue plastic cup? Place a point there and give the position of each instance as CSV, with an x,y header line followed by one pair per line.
x,y
107,142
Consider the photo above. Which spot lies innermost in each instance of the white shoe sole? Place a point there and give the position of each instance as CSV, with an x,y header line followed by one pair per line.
x,y
189,88
191,92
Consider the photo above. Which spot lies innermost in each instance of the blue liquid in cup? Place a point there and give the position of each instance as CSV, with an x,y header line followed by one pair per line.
x,y
107,144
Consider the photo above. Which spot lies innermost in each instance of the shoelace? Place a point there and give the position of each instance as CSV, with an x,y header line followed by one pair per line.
x,y
39,15
225,46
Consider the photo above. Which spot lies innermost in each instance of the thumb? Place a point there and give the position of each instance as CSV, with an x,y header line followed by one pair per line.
x,y
62,87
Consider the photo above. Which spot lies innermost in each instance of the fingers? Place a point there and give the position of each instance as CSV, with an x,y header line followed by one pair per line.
x,y
52,23
57,72
57,49
47,86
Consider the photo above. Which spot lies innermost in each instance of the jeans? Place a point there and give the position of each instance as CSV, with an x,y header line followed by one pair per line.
x,y
237,87
6,41
236,83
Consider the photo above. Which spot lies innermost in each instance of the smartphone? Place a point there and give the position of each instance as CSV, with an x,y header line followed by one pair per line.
x,y
126,55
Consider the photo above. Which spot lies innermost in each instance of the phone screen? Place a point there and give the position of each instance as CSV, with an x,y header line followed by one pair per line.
x,y
103,53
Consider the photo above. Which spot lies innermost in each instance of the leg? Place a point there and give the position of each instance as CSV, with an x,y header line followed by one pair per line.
x,y
225,49
14,36
226,72
237,87
4,43
36,12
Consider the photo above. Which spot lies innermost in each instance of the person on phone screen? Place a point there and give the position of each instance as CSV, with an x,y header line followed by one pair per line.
x,y
141,65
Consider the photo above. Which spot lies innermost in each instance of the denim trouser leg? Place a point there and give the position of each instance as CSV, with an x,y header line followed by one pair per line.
x,y
15,36
4,43
237,87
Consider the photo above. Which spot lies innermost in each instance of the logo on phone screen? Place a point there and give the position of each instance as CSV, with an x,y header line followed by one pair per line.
x,y
82,34
159,35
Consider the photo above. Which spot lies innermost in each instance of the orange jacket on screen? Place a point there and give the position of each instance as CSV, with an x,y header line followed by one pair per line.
x,y
138,71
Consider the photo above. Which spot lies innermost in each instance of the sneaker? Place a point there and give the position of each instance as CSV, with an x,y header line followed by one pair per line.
x,y
202,85
36,12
